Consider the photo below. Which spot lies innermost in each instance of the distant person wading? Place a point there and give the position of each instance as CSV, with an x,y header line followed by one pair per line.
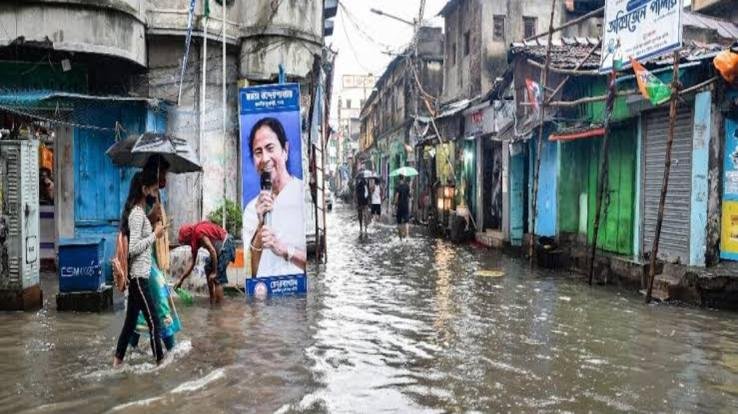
x,y
362,201
402,207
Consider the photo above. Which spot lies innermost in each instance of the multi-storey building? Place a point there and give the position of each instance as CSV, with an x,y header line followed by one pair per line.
x,y
83,74
468,157
396,110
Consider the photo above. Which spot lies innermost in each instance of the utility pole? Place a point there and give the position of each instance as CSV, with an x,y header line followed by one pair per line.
x,y
415,93
539,144
225,114
667,171
203,96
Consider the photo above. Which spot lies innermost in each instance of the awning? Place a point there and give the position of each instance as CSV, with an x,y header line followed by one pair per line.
x,y
40,98
575,134
454,108
73,109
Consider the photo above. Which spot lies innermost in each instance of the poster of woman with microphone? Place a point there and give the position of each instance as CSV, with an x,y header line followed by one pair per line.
x,y
273,189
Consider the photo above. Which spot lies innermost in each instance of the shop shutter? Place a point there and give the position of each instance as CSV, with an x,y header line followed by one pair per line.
x,y
674,241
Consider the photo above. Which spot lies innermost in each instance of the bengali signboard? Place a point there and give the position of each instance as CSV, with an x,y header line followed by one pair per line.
x,y
643,29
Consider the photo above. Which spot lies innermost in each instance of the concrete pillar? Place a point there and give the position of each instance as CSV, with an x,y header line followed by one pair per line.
x,y
700,185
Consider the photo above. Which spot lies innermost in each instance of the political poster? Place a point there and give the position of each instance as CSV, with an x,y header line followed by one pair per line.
x,y
273,190
639,29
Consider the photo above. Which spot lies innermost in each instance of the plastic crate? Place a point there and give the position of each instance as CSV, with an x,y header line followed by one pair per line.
x,y
81,265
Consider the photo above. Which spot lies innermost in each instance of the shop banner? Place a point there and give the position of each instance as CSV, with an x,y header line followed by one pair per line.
x,y
642,28
729,231
273,190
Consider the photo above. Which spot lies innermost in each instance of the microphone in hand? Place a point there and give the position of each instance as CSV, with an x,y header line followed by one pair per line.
x,y
266,185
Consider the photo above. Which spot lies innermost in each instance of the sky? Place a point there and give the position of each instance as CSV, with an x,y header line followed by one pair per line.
x,y
361,36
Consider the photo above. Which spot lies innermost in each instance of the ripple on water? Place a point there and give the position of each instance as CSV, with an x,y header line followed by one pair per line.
x,y
389,326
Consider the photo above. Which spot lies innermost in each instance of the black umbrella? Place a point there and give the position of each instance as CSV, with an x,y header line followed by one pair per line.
x,y
135,151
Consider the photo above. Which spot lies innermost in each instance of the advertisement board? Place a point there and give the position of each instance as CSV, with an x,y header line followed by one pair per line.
x,y
273,189
729,222
642,28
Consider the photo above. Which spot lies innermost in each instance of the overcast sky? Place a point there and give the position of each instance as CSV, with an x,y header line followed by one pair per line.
x,y
361,36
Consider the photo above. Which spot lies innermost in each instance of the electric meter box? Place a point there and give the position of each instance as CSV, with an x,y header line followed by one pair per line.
x,y
19,215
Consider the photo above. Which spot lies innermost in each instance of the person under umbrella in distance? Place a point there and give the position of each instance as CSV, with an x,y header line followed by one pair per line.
x,y
402,206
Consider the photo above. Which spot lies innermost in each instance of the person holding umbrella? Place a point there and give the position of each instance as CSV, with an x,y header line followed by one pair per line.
x,y
159,291
401,200
141,237
402,207
158,154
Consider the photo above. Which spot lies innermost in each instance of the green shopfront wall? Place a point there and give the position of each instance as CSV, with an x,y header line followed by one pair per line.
x,y
578,179
397,159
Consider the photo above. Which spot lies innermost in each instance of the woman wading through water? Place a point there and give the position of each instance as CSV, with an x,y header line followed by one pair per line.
x,y
141,238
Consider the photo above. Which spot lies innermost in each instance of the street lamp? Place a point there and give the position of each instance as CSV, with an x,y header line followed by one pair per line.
x,y
400,19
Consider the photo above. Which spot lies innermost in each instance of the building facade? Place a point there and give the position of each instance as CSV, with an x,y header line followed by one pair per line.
x,y
694,231
118,72
476,107
396,114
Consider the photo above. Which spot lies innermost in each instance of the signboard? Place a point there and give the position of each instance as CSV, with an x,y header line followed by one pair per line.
x,y
490,119
273,189
358,81
729,223
643,28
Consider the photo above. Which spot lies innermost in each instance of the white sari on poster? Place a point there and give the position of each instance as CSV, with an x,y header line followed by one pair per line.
x,y
287,222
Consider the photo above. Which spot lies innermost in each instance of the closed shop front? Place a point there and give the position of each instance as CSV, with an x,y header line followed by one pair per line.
x,y
578,183
675,231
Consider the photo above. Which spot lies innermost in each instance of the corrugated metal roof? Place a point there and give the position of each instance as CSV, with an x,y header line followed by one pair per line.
x,y
566,53
453,108
724,28
450,5
567,57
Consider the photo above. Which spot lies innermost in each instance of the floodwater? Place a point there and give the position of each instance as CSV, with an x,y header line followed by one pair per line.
x,y
389,327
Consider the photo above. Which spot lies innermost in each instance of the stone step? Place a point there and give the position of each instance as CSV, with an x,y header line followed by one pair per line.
x,y
664,287
493,239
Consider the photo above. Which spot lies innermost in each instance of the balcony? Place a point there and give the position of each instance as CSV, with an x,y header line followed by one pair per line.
x,y
112,28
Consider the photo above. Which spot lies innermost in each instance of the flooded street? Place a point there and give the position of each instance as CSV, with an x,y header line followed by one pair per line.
x,y
394,327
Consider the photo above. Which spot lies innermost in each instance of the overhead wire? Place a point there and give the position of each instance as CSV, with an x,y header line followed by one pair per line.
x,y
351,46
358,25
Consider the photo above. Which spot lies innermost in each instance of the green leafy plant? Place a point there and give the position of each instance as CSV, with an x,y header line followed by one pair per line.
x,y
234,218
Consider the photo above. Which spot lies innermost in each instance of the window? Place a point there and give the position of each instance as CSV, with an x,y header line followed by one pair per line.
x,y
529,26
348,103
453,54
498,24
361,103
466,44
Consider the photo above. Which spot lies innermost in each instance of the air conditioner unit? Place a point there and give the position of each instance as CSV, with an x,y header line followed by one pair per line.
x,y
19,218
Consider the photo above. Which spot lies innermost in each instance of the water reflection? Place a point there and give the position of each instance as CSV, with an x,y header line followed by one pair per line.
x,y
389,326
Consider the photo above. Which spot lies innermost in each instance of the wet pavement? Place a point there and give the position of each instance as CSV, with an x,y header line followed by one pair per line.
x,y
389,326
